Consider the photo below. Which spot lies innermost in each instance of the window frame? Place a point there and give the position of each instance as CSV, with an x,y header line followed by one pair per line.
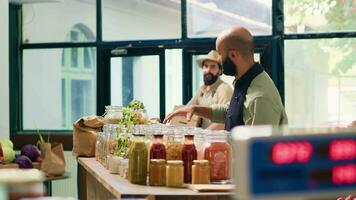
x,y
188,45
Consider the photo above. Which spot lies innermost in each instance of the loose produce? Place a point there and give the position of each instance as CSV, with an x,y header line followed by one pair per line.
x,y
32,152
24,162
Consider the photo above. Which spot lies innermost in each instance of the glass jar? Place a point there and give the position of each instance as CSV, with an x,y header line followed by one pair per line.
x,y
98,145
174,173
189,153
158,150
218,153
174,145
200,172
157,175
142,116
137,172
199,140
112,114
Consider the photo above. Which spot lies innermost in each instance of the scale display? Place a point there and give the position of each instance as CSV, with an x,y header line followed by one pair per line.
x,y
309,163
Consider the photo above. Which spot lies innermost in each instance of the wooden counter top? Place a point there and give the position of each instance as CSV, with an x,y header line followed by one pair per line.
x,y
120,187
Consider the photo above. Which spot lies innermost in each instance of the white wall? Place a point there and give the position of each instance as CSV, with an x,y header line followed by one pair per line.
x,y
4,69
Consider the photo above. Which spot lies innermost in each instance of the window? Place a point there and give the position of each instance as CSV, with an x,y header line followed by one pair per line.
x,y
141,19
207,18
174,80
54,96
137,78
320,81
49,22
319,16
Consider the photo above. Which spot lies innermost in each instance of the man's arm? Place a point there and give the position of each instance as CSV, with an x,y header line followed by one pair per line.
x,y
189,111
216,126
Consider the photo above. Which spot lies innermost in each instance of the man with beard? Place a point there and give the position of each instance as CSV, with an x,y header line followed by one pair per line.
x,y
214,90
255,99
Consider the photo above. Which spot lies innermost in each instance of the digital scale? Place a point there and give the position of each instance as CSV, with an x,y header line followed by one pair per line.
x,y
301,164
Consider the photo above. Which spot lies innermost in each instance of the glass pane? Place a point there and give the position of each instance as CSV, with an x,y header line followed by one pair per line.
x,y
137,78
174,78
80,91
141,19
305,16
47,22
54,96
207,18
320,81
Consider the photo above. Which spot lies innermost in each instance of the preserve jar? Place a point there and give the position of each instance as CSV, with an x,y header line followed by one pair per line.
x,y
112,114
218,153
200,172
158,150
174,173
137,172
189,153
157,175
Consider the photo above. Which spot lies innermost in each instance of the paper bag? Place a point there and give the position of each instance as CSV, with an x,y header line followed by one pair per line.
x,y
53,163
84,135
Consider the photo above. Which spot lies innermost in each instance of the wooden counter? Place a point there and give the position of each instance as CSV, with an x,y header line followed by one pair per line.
x,y
96,183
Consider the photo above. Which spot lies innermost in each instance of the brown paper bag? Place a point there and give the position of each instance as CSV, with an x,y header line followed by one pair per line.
x,y
53,163
84,135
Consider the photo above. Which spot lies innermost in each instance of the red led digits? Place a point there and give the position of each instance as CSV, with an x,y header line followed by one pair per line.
x,y
342,150
344,174
289,152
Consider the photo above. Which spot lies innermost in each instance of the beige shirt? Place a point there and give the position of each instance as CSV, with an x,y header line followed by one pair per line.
x,y
219,93
262,105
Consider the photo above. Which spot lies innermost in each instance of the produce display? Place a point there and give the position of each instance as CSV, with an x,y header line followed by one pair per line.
x,y
29,156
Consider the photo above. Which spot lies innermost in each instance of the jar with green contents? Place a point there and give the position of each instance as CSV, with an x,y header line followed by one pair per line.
x,y
138,155
174,173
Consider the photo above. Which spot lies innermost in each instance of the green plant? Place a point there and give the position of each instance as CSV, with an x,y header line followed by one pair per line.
x,y
130,117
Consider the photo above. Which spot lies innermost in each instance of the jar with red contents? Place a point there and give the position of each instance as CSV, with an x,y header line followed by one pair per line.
x,y
218,153
158,150
189,153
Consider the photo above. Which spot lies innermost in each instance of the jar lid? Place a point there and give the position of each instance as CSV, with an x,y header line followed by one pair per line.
x,y
158,161
175,162
200,162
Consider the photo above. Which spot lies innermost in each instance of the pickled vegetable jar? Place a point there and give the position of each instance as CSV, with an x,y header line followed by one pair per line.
x,y
137,172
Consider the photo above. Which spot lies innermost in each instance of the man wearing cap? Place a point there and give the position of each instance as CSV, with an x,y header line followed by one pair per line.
x,y
255,100
214,90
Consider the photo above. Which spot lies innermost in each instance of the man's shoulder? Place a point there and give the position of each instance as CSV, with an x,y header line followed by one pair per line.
x,y
263,87
224,86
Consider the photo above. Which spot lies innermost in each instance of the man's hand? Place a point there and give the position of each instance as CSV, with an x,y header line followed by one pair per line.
x,y
187,111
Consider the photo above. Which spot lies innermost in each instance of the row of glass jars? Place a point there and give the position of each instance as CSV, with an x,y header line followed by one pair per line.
x,y
167,144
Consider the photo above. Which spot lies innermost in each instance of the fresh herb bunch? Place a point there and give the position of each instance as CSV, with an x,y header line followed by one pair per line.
x,y
130,117
122,147
136,105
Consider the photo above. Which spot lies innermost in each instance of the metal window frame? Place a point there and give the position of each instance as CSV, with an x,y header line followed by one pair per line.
x,y
188,45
